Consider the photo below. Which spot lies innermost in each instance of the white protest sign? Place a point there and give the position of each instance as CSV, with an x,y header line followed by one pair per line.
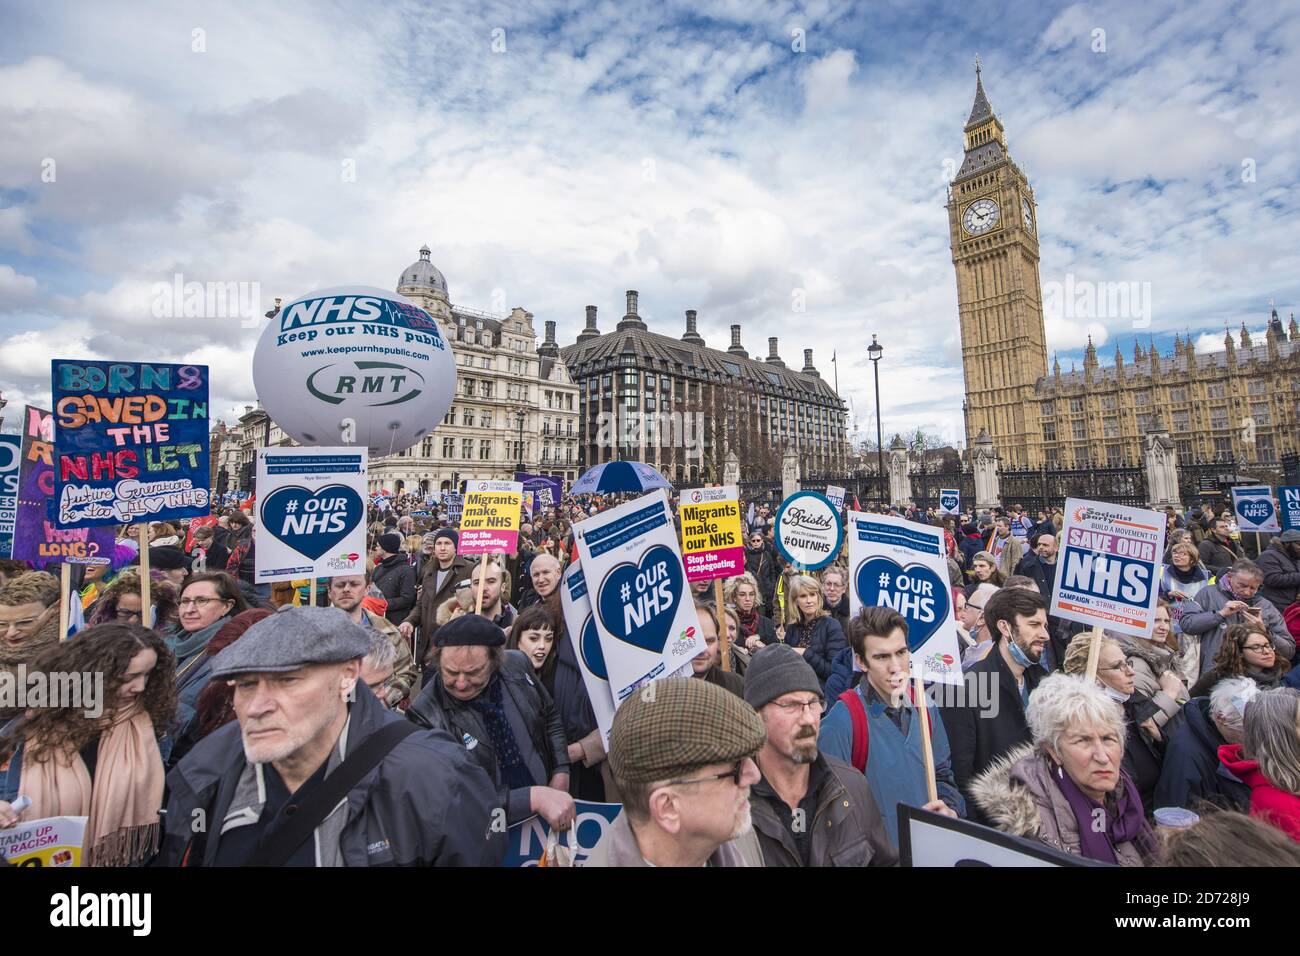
x,y
1254,507
928,839
900,564
311,512
584,639
644,614
808,530
949,501
53,841
1108,570
836,496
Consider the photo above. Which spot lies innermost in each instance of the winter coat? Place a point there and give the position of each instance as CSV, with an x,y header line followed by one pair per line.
x,y
1274,806
1201,617
1281,575
1192,772
1149,660
395,577
978,736
727,680
618,847
426,804
761,565
1217,556
1012,551
1016,793
846,829
544,749
1266,680
1042,573
404,670
843,676
425,613
824,638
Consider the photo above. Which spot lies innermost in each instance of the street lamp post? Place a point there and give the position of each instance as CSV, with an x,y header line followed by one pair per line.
x,y
520,415
874,352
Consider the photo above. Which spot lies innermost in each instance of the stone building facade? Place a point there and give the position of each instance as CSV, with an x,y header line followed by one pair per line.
x,y
1242,402
682,407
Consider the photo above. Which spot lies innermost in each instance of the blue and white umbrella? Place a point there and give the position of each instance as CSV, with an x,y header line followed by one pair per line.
x,y
612,476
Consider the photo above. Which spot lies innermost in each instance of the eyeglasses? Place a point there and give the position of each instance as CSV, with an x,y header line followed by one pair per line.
x,y
734,773
200,603
795,707
1121,666
1257,648
124,615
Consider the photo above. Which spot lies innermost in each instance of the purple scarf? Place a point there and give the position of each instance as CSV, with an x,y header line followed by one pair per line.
x,y
1124,821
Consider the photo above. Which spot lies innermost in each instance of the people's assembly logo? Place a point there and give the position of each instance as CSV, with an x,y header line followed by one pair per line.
x,y
939,663
345,560
685,642
383,383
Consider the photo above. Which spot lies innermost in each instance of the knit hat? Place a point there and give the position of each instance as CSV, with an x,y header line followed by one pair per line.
x,y
391,542
168,557
447,533
670,727
776,670
467,630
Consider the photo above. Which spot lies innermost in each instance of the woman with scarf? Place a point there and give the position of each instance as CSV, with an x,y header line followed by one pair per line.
x,y
1181,580
1246,651
1144,744
809,628
741,592
1058,789
207,603
108,768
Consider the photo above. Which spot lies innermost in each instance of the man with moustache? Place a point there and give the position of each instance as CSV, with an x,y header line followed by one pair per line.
x,y
315,772
808,808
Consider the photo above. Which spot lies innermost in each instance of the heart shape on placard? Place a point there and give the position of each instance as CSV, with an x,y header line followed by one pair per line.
x,y
948,501
923,599
589,647
1256,510
312,522
638,602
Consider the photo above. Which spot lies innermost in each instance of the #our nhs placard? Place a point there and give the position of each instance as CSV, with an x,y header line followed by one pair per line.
x,y
949,501
900,564
584,641
645,616
1254,507
1108,570
311,508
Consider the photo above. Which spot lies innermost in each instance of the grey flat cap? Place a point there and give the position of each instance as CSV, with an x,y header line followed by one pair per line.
x,y
294,637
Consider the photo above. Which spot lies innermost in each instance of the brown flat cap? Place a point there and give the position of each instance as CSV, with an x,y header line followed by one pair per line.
x,y
670,727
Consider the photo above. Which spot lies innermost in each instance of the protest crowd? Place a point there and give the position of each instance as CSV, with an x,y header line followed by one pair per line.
x,y
415,711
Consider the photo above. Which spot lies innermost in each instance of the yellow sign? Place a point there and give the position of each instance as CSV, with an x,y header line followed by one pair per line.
x,y
713,545
54,841
490,522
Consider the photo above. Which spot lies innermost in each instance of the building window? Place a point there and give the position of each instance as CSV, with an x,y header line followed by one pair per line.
x,y
1143,423
1219,417
1110,425
1080,431
1048,408
1178,394
1182,420
1261,412
485,389
467,417
449,448
1076,404
1223,447
467,448
485,449
450,417
468,387
485,420
1113,456
1264,448
1184,446
1257,386
1141,399
1108,402
1216,390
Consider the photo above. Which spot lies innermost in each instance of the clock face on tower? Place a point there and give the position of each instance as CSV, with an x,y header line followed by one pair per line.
x,y
980,216
1028,214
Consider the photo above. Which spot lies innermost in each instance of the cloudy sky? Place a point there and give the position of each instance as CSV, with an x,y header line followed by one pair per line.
x,y
746,160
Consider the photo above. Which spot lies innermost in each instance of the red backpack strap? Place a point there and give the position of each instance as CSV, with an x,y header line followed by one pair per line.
x,y
861,733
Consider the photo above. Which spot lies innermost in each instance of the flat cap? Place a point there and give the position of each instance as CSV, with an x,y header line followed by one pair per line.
x,y
294,637
670,727
1290,536
467,630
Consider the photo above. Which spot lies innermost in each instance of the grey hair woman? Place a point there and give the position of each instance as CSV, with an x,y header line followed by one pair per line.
x,y
1068,788
1268,758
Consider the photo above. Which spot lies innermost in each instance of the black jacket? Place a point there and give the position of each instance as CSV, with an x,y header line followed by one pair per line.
x,y
1217,556
1192,772
761,565
976,737
824,639
1281,575
437,709
396,578
426,804
846,828
1044,575
1142,755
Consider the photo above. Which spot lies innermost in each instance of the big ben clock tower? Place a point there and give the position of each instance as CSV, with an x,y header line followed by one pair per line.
x,y
993,225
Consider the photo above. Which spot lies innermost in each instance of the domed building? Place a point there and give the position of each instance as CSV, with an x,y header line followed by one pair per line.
x,y
515,406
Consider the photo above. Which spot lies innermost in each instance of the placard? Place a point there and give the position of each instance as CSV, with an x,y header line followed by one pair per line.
x,y
903,565
835,494
11,452
712,544
1253,505
1289,498
808,530
644,615
36,539
580,625
1108,572
53,841
131,442
490,521
933,840
526,840
949,501
311,513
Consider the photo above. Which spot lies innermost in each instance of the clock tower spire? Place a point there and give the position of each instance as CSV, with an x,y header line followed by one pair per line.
x,y
993,229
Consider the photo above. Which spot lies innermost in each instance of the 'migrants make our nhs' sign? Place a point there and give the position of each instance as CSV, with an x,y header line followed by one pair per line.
x,y
355,366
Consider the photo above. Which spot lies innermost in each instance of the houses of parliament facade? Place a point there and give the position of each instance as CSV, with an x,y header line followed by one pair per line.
x,y
1241,402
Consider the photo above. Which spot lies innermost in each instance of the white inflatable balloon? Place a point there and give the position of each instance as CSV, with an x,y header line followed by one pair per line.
x,y
355,365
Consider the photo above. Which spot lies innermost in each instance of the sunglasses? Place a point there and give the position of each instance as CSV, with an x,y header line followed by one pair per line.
x,y
734,774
